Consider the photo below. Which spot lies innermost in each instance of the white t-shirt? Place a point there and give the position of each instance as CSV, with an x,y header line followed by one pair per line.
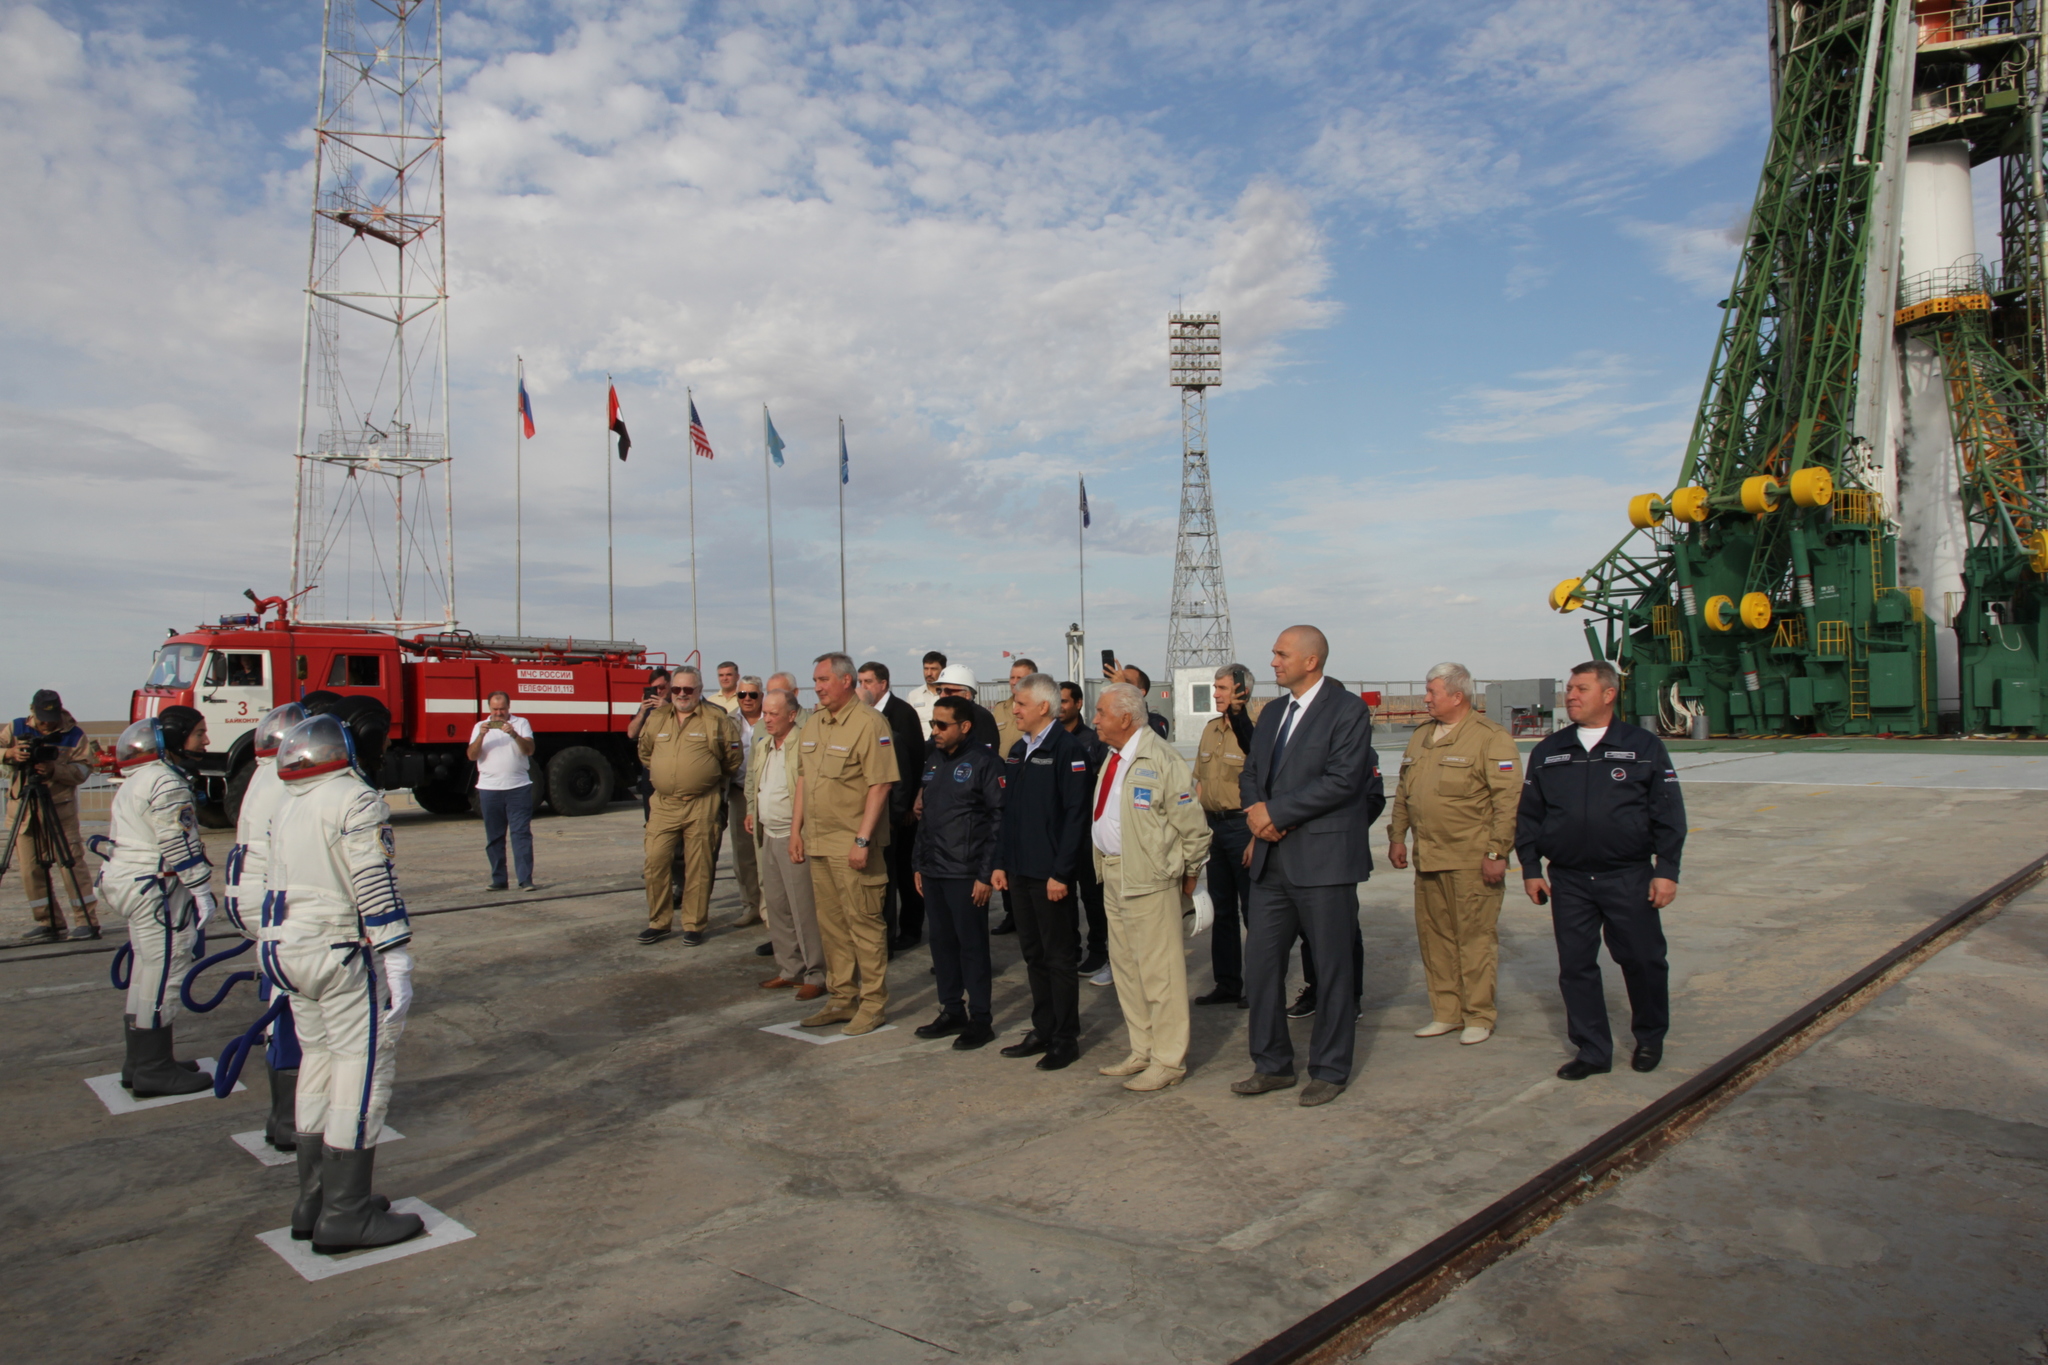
x,y
1588,738
500,767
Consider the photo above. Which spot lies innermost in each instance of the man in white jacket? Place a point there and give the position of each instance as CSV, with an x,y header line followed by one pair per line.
x,y
334,937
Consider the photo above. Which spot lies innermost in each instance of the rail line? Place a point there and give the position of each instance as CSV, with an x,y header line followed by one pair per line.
x,y
1347,1326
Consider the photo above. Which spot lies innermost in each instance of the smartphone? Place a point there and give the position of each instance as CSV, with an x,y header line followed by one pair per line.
x,y
1109,663
1543,898
649,693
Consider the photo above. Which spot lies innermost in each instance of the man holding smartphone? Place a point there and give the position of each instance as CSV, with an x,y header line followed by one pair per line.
x,y
500,745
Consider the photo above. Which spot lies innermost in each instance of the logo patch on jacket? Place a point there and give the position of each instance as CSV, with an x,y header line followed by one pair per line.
x,y
1507,767
1557,758
1141,798
1620,753
962,771
883,740
1185,798
1619,774
1080,765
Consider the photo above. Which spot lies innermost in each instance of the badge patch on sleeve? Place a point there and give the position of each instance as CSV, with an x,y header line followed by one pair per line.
x,y
389,840
1507,767
188,818
1185,798
883,740
1141,798
1080,765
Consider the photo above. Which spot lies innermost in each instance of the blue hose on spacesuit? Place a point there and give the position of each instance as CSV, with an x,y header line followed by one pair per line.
x,y
229,1068
234,978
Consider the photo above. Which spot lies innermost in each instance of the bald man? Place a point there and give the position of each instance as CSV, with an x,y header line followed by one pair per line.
x,y
1311,790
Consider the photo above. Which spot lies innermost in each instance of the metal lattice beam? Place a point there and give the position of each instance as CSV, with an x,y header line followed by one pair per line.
x,y
1198,627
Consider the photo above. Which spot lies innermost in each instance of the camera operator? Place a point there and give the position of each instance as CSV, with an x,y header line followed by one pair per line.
x,y
48,746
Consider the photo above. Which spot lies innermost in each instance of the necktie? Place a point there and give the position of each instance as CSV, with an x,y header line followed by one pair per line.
x,y
1108,785
1280,743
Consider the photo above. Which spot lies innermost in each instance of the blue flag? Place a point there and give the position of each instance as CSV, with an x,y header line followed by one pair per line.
x,y
842,451
1084,504
770,435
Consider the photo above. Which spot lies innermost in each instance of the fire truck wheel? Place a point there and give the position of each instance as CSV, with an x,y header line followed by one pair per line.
x,y
450,798
579,781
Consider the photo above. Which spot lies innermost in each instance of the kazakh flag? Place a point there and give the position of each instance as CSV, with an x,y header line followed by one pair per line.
x,y
771,437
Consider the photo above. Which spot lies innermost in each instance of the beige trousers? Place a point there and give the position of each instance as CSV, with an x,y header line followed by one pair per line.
x,y
1150,965
685,824
746,869
853,932
1457,917
791,909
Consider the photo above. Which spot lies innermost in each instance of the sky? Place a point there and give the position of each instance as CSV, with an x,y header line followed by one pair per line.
x,y
1467,259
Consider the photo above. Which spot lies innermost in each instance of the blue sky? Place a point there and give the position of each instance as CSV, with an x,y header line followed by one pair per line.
x,y
1467,258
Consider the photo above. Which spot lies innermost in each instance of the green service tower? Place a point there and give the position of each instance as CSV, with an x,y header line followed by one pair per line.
x,y
1859,536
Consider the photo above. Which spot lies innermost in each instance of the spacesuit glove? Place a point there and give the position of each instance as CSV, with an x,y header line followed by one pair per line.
x,y
1204,911
398,978
202,901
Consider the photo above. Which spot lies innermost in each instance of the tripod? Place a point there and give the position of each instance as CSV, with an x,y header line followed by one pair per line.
x,y
36,811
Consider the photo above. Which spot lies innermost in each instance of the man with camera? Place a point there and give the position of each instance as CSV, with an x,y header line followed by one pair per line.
x,y
46,756
500,745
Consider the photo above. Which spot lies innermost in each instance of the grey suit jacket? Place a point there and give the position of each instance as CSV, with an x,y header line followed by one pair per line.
x,y
1326,792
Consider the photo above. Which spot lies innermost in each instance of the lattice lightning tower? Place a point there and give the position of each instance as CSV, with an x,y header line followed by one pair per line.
x,y
1198,631
373,515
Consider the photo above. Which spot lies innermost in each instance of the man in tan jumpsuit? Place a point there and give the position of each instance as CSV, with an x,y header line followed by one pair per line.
x,y
846,763
691,752
48,723
1219,762
1460,784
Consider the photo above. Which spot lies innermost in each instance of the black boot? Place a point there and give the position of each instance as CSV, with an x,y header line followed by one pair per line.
x,y
156,1072
350,1219
280,1129
306,1212
128,1058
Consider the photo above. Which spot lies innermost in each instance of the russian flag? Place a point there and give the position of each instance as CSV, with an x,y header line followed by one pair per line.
x,y
525,409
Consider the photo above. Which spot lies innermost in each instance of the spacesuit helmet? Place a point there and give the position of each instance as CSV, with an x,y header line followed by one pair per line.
x,y
270,730
316,745
140,743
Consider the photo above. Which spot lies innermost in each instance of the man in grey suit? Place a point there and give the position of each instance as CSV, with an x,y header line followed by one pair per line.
x,y
1311,790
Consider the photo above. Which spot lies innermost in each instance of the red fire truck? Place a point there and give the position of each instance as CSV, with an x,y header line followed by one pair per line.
x,y
579,695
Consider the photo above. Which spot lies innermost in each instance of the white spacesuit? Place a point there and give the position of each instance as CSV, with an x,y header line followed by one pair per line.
x,y
334,937
158,878
241,903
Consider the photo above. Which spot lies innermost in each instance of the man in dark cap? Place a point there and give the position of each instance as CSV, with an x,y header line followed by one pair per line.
x,y
49,745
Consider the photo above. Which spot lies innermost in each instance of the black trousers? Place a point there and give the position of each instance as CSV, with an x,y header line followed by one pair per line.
x,y
1230,888
1308,961
1326,918
1093,925
1584,907
902,907
1046,933
959,946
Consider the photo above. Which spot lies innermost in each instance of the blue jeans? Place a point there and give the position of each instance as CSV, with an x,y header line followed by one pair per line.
x,y
508,811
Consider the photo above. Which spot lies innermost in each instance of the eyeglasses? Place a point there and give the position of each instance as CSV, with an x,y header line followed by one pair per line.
x,y
938,724
684,691
749,696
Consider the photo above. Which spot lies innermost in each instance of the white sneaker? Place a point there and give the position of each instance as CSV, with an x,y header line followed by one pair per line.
x,y
1475,1034
1103,978
1437,1029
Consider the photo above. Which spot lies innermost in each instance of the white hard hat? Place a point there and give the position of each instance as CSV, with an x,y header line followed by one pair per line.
x,y
957,675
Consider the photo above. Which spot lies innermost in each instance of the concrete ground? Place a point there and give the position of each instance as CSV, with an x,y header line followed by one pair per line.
x,y
652,1177
1880,1198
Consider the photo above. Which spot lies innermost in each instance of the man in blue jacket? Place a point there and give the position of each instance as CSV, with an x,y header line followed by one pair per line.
x,y
1047,790
1600,801
954,863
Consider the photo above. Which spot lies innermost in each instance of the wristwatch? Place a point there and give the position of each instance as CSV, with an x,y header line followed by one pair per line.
x,y
859,842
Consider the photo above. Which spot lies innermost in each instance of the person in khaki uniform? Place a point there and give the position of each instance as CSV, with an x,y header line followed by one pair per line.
x,y
48,723
1460,785
1219,762
1150,842
691,752
846,763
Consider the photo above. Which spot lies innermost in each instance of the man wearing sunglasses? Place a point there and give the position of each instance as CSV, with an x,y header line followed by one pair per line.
x,y
746,869
691,752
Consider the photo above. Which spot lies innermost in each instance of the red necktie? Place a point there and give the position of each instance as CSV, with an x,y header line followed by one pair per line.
x,y
1108,785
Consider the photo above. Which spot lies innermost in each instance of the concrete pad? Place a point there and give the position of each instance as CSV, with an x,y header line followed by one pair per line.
x,y
1926,766
119,1101
1880,1198
254,1144
820,1035
441,1231
645,1169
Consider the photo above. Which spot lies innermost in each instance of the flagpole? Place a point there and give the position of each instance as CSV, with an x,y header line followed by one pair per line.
x,y
694,645
842,535
768,493
519,504
611,614
1081,557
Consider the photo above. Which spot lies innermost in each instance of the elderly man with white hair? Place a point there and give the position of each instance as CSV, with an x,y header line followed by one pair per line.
x,y
1460,785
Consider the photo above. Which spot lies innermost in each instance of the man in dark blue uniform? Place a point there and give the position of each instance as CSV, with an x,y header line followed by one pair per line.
x,y
955,864
1600,801
1046,804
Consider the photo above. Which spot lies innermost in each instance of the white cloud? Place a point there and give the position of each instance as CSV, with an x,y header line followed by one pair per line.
x,y
1560,401
1702,256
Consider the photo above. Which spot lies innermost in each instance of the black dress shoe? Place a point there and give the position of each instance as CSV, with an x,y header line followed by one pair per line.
x,y
653,935
1576,1070
1304,1004
765,950
976,1034
1008,926
945,1026
1219,997
1093,963
1030,1047
692,939
1647,1056
1059,1058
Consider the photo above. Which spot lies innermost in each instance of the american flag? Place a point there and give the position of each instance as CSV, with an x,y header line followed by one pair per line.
x,y
699,443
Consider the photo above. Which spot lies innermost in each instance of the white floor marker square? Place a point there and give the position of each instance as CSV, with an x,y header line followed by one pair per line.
x,y
441,1231
254,1145
819,1036
119,1101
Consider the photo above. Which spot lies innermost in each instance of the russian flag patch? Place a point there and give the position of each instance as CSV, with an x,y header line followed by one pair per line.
x,y
1080,765
884,740
1508,767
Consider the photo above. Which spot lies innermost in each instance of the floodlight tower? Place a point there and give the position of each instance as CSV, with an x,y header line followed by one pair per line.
x,y
1198,630
373,526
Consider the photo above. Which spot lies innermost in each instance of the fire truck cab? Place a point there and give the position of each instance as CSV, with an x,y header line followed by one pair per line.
x,y
578,695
